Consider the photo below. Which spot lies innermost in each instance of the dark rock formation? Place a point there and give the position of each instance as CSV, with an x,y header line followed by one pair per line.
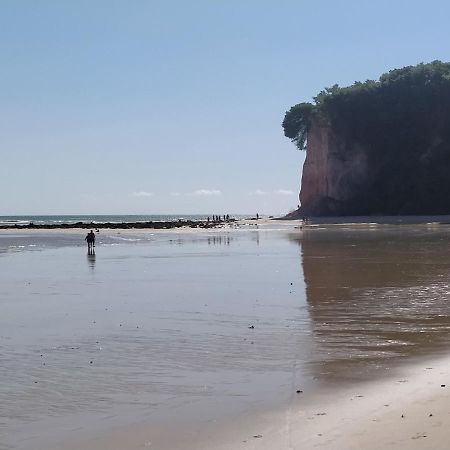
x,y
120,226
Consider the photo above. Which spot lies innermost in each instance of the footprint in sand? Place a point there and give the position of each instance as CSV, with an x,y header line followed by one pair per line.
x,y
419,436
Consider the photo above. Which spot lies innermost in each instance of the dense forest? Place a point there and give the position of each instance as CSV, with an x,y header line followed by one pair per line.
x,y
403,122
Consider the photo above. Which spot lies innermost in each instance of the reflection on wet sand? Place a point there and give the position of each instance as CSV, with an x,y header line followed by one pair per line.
x,y
219,240
375,297
91,260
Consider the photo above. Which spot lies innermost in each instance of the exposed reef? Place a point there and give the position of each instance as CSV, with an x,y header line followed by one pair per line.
x,y
123,225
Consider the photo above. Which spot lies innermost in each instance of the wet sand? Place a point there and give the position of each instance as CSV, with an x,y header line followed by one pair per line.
x,y
200,340
408,411
150,330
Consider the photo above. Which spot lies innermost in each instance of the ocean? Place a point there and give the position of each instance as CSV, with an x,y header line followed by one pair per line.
x,y
103,218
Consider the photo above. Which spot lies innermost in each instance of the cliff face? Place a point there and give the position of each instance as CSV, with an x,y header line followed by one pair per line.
x,y
334,172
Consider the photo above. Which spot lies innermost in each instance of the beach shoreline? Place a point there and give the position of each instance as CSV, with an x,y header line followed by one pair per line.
x,y
407,410
162,227
271,223
368,220
305,223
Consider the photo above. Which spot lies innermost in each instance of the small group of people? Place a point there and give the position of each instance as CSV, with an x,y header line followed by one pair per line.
x,y
90,239
219,218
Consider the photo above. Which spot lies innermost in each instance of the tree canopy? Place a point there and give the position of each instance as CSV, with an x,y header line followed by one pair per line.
x,y
405,100
296,123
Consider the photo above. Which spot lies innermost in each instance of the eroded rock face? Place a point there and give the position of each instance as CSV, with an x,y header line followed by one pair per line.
x,y
334,172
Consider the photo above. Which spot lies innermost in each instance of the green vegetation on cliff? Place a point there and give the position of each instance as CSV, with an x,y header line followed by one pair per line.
x,y
403,122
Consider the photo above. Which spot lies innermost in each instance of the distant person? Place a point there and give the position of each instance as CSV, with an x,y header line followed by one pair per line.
x,y
90,239
257,216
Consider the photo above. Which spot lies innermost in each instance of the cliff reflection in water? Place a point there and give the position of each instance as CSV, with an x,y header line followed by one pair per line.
x,y
376,296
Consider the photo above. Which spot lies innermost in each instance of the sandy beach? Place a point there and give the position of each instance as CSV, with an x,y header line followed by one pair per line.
x,y
408,411
149,344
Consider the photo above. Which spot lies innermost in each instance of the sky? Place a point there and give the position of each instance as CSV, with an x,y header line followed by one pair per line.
x,y
175,107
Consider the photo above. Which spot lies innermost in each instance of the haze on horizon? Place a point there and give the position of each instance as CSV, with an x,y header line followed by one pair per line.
x,y
176,107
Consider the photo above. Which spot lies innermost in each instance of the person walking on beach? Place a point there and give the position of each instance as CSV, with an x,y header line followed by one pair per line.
x,y
90,239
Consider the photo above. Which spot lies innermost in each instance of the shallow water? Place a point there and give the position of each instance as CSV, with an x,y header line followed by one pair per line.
x,y
152,327
155,327
376,296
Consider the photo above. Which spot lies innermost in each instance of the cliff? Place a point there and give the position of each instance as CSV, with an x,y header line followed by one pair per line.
x,y
378,147
333,172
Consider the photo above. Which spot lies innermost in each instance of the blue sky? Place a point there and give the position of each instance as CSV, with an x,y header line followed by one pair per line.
x,y
176,106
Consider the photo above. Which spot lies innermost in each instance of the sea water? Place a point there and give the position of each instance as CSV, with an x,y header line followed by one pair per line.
x,y
121,218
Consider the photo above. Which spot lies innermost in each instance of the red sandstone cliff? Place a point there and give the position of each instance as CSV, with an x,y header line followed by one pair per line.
x,y
333,172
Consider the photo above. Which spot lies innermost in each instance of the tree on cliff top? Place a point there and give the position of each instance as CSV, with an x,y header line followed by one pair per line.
x,y
398,101
296,123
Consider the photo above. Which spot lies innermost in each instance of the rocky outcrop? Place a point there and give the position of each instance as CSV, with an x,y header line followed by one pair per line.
x,y
379,147
334,172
